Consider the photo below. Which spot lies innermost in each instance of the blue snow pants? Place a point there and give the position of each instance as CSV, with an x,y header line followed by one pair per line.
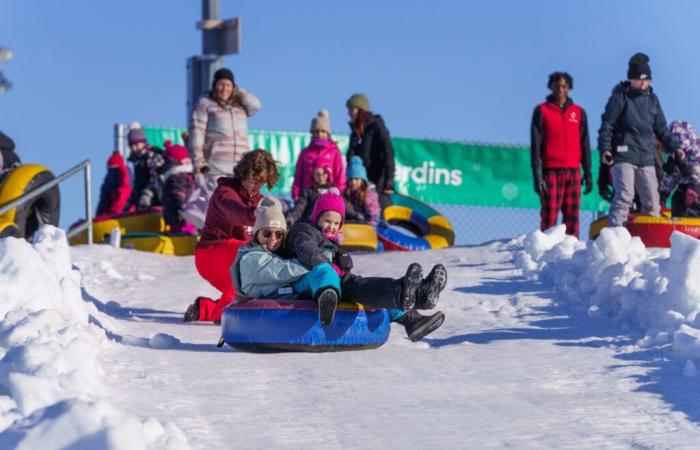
x,y
320,277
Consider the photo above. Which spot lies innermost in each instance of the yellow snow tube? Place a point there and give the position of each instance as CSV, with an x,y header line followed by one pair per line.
x,y
129,222
160,243
359,237
28,217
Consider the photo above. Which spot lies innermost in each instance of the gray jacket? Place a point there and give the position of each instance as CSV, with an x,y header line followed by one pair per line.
x,y
258,273
631,121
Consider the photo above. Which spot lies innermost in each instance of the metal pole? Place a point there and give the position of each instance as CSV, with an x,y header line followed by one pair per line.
x,y
119,134
88,202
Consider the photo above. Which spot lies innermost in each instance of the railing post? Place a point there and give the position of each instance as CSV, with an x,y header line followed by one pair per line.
x,y
88,202
119,135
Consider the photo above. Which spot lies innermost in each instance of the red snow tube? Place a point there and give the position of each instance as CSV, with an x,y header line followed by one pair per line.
x,y
654,231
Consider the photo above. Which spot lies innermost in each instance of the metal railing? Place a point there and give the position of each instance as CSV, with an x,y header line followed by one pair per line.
x,y
85,165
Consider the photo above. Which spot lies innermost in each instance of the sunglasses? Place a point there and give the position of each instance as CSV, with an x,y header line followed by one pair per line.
x,y
267,234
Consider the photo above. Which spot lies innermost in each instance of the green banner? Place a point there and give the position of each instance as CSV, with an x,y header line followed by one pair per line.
x,y
434,171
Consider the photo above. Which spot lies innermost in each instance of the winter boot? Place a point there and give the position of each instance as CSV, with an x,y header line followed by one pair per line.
x,y
192,313
410,283
430,288
419,326
327,302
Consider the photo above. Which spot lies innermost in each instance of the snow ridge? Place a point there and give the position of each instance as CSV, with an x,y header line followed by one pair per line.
x,y
51,391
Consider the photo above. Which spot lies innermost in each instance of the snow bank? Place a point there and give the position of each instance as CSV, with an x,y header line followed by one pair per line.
x,y
51,393
617,278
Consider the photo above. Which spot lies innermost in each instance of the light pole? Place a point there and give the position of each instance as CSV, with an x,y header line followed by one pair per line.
x,y
219,37
5,55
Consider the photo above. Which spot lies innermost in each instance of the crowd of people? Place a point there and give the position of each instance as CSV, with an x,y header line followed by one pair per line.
x,y
252,246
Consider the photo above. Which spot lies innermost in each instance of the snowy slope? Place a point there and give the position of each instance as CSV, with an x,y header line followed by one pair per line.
x,y
538,351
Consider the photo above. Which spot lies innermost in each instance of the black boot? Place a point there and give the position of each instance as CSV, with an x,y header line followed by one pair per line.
x,y
410,283
430,288
192,313
419,326
327,302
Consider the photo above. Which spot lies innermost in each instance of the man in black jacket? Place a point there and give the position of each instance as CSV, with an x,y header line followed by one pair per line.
x,y
632,118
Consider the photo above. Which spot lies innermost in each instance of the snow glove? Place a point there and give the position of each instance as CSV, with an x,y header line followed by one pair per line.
x,y
145,199
587,183
540,184
344,261
691,196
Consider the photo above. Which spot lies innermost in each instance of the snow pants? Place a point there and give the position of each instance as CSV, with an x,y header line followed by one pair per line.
x,y
628,179
563,193
376,292
214,265
320,277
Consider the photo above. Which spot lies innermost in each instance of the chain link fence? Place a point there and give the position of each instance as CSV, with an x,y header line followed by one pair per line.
x,y
480,224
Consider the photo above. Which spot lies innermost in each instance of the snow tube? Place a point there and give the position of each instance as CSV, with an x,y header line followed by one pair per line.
x,y
292,325
653,231
8,229
431,229
150,221
359,237
178,245
25,219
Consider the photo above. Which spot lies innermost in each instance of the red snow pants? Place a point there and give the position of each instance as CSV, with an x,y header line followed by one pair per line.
x,y
214,265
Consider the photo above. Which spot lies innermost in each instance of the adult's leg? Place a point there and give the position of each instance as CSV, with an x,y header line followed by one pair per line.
x,y
377,292
623,182
647,185
571,200
214,265
550,200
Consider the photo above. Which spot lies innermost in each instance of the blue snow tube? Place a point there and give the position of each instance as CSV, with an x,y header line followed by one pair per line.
x,y
293,325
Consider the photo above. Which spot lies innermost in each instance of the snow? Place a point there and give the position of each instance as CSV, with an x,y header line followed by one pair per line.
x,y
549,342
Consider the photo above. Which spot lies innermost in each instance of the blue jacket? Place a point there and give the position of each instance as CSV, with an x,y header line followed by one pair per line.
x,y
259,273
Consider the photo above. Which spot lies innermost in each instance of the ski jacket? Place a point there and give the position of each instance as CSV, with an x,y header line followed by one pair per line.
x,y
559,136
687,171
219,133
148,179
307,243
376,152
115,191
259,273
178,185
365,212
319,153
231,213
631,121
304,205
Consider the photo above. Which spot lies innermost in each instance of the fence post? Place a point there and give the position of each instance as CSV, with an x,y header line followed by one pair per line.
x,y
88,202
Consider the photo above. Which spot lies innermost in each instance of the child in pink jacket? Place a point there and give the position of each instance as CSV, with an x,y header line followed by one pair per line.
x,y
322,151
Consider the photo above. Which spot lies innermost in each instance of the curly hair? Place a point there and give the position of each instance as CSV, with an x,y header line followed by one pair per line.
x,y
556,76
255,163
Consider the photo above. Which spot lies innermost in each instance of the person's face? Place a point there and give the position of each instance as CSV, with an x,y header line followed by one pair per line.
x,y
560,88
223,89
137,147
270,238
320,176
253,183
329,222
355,183
640,84
352,112
320,134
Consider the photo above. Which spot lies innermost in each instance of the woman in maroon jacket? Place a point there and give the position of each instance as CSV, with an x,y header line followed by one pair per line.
x,y
228,225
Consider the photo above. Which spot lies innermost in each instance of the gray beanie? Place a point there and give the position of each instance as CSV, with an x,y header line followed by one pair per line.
x,y
269,215
321,122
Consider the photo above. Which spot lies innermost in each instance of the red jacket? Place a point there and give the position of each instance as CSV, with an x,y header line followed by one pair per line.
x,y
560,136
230,214
116,187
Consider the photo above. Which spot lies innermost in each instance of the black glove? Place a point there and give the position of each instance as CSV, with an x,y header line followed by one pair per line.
x,y
344,261
606,191
587,183
540,184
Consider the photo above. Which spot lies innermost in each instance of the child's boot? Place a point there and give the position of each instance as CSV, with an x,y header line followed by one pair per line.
x,y
430,288
327,302
419,326
410,283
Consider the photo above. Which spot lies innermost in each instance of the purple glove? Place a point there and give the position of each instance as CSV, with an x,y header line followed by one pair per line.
x,y
691,196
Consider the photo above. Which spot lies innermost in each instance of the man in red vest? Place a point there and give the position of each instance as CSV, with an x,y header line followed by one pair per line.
x,y
559,147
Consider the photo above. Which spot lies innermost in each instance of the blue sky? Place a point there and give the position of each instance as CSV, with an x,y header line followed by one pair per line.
x,y
460,70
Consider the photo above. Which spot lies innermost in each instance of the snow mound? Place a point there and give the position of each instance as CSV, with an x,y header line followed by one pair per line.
x,y
616,277
49,346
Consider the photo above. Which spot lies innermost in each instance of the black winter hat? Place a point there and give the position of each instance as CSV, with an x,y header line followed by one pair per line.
x,y
222,74
639,67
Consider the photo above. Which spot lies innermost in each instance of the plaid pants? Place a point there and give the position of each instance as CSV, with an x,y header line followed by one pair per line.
x,y
563,193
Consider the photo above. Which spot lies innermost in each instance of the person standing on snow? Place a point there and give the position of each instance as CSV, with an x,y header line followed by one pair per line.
x,y
370,141
323,151
559,148
632,118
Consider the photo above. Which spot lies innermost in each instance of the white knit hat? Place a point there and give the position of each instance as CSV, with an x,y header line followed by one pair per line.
x,y
321,122
269,215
